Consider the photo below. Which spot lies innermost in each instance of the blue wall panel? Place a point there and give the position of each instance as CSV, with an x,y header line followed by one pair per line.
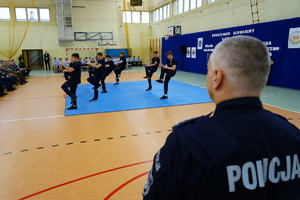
x,y
276,35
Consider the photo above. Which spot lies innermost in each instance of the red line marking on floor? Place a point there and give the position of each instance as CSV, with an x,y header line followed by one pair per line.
x,y
124,184
31,98
82,178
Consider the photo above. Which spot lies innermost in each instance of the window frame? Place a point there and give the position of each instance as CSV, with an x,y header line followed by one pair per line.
x,y
9,15
39,12
140,18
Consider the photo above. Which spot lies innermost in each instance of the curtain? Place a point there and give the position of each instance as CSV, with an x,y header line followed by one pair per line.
x,y
12,32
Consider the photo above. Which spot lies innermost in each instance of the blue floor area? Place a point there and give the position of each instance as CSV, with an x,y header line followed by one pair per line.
x,y
132,95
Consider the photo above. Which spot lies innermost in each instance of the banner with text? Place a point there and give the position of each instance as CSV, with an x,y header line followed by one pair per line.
x,y
281,37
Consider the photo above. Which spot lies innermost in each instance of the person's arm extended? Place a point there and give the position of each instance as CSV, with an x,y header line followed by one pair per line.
x,y
150,65
120,61
95,65
170,68
67,68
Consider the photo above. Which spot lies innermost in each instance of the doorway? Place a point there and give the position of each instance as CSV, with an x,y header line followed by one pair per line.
x,y
33,58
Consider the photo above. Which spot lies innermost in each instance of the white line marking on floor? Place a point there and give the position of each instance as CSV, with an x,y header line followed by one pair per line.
x,y
34,118
25,88
142,130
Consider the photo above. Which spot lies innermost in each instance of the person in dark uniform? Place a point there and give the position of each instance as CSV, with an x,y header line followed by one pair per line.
x,y
121,65
241,151
8,79
74,69
151,68
98,74
47,60
109,66
170,70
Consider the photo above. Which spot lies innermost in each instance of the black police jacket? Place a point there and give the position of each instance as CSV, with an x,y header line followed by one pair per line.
x,y
242,152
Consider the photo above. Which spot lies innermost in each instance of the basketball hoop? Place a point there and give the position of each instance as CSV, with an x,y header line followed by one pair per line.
x,y
107,44
167,36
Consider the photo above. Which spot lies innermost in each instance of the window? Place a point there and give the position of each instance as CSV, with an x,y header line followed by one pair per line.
x,y
175,8
167,10
211,1
44,15
154,16
164,12
186,5
21,14
4,14
157,15
145,17
136,17
127,17
161,13
180,6
32,14
199,3
193,4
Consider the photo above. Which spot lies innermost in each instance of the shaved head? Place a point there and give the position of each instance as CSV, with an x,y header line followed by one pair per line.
x,y
238,67
245,60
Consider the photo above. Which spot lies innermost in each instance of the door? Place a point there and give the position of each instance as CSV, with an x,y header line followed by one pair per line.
x,y
33,58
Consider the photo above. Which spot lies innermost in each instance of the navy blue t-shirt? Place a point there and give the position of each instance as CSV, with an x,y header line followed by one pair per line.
x,y
109,69
123,64
75,76
241,152
99,71
170,63
157,64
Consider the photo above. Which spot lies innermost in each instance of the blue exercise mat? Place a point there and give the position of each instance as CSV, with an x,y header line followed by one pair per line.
x,y
132,95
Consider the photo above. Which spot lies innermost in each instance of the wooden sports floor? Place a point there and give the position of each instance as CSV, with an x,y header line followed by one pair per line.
x,y
45,155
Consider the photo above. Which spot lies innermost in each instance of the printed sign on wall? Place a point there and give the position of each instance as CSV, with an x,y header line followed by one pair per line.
x,y
294,38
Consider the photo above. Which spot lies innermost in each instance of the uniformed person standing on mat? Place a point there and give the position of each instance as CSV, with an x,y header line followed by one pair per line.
x,y
241,152
109,66
98,74
121,64
74,69
170,70
151,68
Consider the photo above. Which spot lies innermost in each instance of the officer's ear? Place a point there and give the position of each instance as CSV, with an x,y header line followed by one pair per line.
x,y
218,77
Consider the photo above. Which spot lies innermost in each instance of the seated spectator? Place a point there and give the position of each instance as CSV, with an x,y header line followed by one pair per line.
x,y
139,61
55,64
23,68
8,69
7,79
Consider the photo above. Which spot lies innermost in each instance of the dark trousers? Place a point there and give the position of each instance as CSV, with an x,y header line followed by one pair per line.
x,y
91,72
2,87
162,73
47,63
66,75
27,71
166,81
103,81
149,72
118,71
94,80
9,81
70,92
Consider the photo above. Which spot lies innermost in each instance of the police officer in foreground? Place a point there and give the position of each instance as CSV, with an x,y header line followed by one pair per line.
x,y
241,151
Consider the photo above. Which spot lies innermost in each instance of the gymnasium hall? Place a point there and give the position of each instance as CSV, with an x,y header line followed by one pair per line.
x,y
105,149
